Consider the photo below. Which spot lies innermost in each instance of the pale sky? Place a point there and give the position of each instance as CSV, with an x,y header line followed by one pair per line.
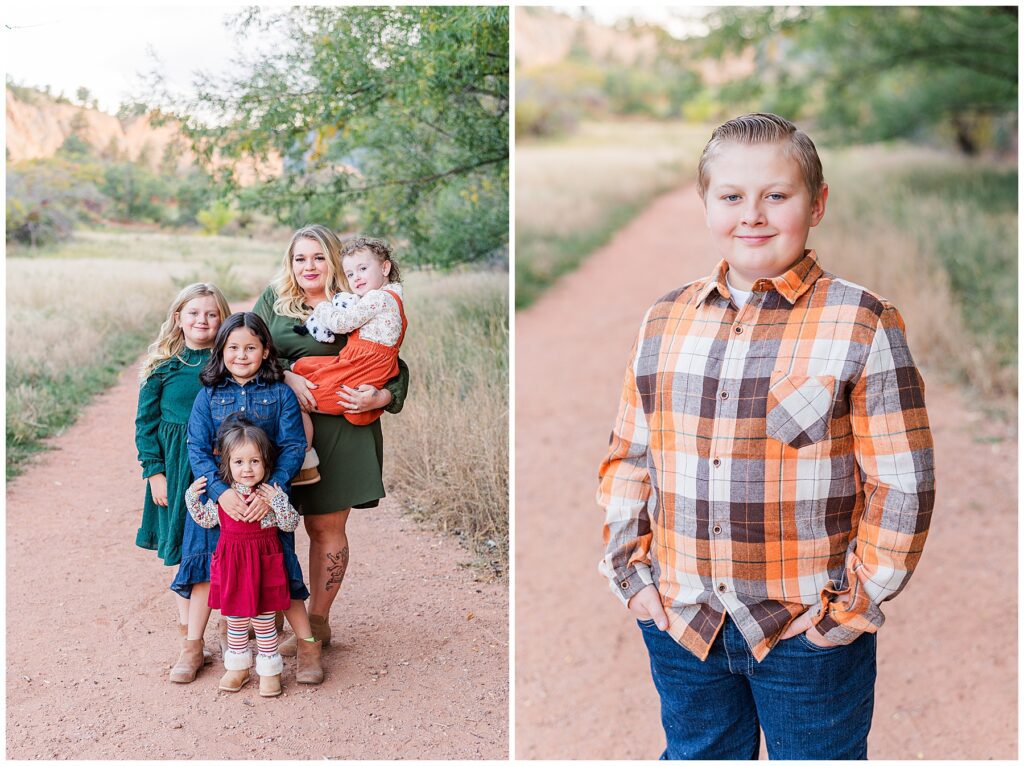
x,y
678,21
103,48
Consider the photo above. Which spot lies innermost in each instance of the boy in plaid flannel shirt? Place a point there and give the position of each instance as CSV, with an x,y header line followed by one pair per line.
x,y
769,480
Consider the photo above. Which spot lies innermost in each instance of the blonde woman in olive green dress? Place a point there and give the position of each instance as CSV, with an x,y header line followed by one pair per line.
x,y
351,457
169,383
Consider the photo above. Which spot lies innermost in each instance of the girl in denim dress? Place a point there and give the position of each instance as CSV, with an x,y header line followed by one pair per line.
x,y
243,377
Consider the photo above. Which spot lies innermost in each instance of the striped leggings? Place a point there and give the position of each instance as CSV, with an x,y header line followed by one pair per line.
x,y
238,656
262,625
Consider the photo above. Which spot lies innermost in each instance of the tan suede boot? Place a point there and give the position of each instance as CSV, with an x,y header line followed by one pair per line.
x,y
310,668
321,628
189,662
233,680
321,632
270,686
183,630
269,667
287,647
222,636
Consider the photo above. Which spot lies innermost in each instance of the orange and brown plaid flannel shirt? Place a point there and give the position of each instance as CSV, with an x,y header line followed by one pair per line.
x,y
769,459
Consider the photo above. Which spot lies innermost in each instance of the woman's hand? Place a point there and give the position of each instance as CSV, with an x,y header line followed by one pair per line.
x,y
301,387
364,398
158,489
258,507
233,505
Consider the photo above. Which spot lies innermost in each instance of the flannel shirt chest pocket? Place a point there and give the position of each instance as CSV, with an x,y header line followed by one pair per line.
x,y
799,408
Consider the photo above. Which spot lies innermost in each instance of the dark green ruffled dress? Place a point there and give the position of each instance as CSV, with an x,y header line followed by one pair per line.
x,y
351,457
161,426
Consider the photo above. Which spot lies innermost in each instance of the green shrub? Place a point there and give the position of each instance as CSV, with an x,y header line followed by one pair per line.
x,y
214,218
47,197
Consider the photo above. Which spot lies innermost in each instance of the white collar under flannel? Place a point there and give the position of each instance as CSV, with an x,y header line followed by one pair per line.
x,y
768,458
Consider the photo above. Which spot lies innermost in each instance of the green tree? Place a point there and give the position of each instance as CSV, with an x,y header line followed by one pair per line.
x,y
136,193
872,73
400,113
75,146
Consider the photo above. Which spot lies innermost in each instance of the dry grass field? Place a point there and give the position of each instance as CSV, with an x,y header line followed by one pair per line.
x,y
448,451
936,234
573,193
78,312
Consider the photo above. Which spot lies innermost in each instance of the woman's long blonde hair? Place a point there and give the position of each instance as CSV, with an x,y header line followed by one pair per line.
x,y
171,340
291,300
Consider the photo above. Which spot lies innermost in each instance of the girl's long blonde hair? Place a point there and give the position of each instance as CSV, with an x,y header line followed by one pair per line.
x,y
290,298
171,340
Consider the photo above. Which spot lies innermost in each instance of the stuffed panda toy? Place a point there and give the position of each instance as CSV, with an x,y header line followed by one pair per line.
x,y
317,329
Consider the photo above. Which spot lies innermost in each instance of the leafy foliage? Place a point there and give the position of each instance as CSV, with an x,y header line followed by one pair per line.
x,y
550,99
873,73
47,198
216,217
397,117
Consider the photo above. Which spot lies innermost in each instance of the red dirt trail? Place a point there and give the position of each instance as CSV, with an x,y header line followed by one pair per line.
x,y
418,668
947,655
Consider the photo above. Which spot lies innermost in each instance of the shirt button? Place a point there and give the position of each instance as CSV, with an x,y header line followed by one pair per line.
x,y
242,408
718,529
725,394
624,585
738,329
716,462
721,587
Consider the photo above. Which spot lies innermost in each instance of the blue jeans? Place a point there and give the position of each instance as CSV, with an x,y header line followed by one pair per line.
x,y
812,703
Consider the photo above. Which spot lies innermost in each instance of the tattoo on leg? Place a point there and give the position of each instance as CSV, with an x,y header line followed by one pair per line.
x,y
336,568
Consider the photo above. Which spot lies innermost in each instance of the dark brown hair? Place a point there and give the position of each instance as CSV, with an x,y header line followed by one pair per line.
x,y
215,372
232,434
378,247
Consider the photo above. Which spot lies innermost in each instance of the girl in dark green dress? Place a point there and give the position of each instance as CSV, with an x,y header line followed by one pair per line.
x,y
351,457
169,378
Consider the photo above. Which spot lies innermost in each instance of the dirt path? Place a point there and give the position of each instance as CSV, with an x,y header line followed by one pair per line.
x,y
947,683
420,670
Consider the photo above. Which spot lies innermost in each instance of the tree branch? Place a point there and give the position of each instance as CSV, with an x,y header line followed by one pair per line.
x,y
427,179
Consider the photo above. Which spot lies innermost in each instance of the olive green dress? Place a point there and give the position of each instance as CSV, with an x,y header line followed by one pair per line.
x,y
351,457
161,428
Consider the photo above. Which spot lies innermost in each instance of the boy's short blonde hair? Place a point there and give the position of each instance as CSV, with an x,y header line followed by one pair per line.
x,y
764,128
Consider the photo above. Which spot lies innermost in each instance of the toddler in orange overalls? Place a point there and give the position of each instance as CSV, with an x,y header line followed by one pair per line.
x,y
375,319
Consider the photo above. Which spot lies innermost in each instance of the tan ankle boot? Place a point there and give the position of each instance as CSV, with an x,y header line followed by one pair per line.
x,y
233,680
189,662
270,686
321,628
321,632
310,668
183,630
222,636
287,647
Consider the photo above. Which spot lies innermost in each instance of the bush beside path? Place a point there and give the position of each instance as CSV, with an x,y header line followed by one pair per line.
x,y
947,655
418,667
